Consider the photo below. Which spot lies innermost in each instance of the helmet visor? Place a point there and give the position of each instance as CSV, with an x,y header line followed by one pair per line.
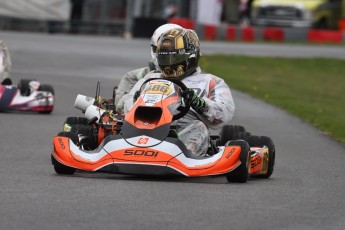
x,y
171,58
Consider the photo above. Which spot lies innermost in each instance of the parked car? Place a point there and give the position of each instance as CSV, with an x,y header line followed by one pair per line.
x,y
321,14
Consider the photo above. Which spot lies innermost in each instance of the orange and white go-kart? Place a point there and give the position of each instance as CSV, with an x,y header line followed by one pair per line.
x,y
145,143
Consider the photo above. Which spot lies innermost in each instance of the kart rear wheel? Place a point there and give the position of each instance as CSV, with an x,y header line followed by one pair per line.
x,y
61,168
241,135
266,141
241,173
47,88
253,141
74,122
23,86
227,133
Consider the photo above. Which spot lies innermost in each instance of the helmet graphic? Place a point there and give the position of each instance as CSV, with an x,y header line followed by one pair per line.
x,y
158,32
178,53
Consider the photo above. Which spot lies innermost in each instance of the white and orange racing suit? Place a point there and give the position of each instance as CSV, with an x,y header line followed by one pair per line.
x,y
127,82
193,128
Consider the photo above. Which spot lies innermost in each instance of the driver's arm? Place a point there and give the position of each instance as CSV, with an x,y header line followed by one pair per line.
x,y
126,84
219,104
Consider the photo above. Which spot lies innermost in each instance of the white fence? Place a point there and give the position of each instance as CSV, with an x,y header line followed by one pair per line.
x,y
36,9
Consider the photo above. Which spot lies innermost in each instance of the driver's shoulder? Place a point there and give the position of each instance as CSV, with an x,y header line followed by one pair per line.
x,y
201,77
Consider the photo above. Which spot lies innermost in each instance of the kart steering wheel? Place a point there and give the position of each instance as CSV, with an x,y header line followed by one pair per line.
x,y
183,109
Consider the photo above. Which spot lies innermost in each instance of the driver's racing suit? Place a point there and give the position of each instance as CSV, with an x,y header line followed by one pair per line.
x,y
126,84
193,128
5,62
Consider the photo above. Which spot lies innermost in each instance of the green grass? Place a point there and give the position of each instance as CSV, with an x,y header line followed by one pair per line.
x,y
310,88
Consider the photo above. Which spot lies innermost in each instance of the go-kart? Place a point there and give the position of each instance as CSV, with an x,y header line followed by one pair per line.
x,y
28,95
144,141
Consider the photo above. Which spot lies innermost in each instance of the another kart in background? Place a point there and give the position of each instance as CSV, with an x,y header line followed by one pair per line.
x,y
28,95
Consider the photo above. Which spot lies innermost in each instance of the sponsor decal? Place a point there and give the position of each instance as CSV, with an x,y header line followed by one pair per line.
x,y
230,153
141,152
152,99
143,140
158,88
62,145
255,161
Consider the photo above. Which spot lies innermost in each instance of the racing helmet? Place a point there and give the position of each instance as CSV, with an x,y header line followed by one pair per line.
x,y
154,39
178,53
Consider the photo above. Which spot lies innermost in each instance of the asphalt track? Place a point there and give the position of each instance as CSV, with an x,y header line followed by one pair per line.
x,y
306,190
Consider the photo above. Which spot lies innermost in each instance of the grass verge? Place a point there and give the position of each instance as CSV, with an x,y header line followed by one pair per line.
x,y
310,88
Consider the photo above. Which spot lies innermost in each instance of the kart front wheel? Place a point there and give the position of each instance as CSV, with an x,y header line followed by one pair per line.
x,y
47,88
61,168
241,173
74,122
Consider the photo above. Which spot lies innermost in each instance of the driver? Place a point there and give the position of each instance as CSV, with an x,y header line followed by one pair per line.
x,y
5,63
212,106
129,79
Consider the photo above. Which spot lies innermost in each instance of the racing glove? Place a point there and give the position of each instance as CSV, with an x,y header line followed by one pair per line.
x,y
197,103
136,96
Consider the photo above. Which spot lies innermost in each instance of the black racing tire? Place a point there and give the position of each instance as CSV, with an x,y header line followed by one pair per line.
x,y
47,88
261,141
241,135
80,129
253,141
241,173
61,168
266,141
72,136
23,86
227,133
88,138
75,122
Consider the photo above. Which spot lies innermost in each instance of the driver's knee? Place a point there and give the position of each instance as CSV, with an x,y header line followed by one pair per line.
x,y
195,136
